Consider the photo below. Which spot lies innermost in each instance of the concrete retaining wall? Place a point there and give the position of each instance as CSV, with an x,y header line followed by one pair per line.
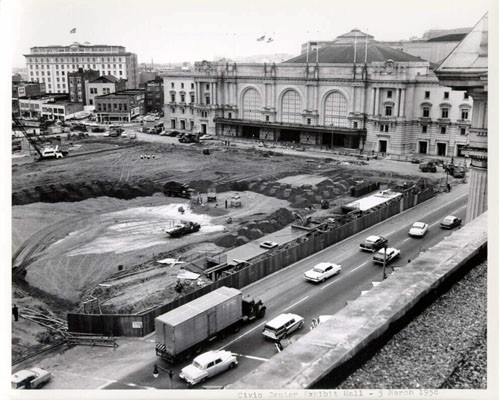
x,y
360,324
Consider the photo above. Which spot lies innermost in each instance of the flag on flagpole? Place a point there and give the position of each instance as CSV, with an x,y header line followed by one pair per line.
x,y
72,30
261,38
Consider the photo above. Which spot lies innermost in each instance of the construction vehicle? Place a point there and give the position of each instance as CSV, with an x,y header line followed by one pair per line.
x,y
455,171
428,166
183,228
43,152
184,331
212,195
176,189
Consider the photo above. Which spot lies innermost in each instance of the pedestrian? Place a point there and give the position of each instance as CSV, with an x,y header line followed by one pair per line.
x,y
448,187
15,312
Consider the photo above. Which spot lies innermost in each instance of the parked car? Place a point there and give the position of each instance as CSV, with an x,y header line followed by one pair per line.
x,y
268,244
418,229
173,133
207,365
32,378
373,243
98,129
132,135
206,137
281,326
163,133
391,254
450,222
322,271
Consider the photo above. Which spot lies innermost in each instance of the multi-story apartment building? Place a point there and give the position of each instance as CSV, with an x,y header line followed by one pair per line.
x,y
77,84
51,64
103,85
180,102
356,93
120,106
154,95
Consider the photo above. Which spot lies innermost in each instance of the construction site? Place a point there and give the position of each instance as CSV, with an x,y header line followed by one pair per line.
x,y
117,226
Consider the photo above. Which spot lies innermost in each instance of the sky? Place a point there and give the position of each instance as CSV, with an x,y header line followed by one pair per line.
x,y
195,30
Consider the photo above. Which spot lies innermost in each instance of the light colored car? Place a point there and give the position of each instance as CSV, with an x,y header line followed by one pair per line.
x,y
163,133
32,378
418,229
391,254
282,325
206,137
322,271
450,222
268,244
207,365
132,135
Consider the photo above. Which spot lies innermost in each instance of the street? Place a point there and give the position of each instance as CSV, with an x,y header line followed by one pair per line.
x,y
287,291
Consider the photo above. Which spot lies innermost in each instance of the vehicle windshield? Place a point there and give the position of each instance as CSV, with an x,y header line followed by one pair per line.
x,y
197,365
419,225
318,269
448,219
371,239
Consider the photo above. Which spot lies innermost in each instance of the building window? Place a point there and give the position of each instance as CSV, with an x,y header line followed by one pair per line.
x,y
355,124
443,130
291,107
182,124
383,127
427,95
172,123
182,98
446,95
464,113
463,131
182,86
192,98
335,110
426,112
172,109
424,128
207,99
445,112
389,94
207,86
192,85
230,115
267,118
252,104
172,97
466,96
388,111
182,110
309,120
173,85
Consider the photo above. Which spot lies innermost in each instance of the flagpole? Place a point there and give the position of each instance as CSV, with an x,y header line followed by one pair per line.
x,y
308,46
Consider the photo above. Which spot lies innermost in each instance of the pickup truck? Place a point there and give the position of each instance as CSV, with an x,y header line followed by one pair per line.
x,y
32,378
391,254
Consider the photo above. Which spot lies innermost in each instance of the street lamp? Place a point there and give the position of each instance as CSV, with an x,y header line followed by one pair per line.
x,y
155,373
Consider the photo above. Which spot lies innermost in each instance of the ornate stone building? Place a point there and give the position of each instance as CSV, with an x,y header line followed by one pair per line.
x,y
356,93
466,68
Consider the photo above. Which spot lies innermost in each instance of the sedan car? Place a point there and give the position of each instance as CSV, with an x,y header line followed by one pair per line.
x,y
373,243
450,222
207,365
206,137
322,271
32,378
268,244
282,325
391,254
418,229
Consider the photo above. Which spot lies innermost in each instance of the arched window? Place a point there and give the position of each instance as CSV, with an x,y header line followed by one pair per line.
x,y
336,110
252,105
291,107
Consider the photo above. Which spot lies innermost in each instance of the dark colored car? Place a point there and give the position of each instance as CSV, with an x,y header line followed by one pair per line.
x,y
450,222
374,243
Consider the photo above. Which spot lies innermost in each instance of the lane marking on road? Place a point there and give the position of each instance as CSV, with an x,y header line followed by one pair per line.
x,y
251,357
240,336
405,240
294,304
398,215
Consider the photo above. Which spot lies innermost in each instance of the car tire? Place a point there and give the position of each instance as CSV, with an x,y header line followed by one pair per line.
x,y
232,365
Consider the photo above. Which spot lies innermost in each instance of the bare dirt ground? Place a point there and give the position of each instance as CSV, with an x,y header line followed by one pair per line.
x,y
69,248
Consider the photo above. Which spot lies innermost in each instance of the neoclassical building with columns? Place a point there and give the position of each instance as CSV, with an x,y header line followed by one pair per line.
x,y
356,93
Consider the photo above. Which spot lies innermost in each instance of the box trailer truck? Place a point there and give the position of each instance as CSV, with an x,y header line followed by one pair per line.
x,y
182,332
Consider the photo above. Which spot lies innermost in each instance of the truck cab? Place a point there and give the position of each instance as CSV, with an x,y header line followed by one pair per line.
x,y
253,308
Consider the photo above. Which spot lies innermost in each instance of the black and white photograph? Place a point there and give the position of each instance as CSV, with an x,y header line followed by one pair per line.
x,y
249,199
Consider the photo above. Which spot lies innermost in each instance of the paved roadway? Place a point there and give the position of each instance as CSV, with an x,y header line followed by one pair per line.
x,y
286,290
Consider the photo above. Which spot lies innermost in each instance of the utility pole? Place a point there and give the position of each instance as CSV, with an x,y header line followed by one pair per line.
x,y
384,263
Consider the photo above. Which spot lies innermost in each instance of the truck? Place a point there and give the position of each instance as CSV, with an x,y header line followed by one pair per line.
x,y
428,166
189,138
184,331
183,228
455,171
32,378
176,189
